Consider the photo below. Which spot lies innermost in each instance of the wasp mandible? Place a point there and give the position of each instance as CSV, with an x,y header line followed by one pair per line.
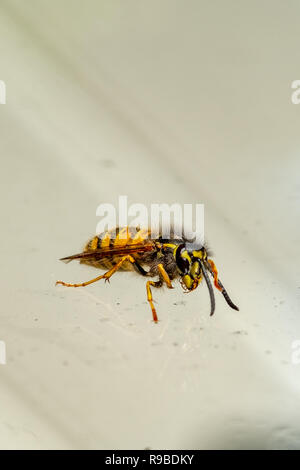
x,y
131,249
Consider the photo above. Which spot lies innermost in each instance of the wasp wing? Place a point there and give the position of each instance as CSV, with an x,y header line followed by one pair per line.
x,y
110,251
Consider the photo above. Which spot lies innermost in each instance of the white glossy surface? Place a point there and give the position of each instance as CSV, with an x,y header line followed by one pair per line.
x,y
163,102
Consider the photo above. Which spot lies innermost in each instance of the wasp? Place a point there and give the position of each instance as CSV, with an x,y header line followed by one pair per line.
x,y
132,249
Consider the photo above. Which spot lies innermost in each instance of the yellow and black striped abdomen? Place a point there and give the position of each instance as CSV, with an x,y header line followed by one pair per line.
x,y
113,239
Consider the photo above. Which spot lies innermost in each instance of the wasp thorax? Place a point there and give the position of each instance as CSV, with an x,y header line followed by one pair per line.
x,y
183,259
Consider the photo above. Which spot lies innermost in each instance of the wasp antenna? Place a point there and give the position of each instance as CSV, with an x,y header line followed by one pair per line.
x,y
226,296
210,290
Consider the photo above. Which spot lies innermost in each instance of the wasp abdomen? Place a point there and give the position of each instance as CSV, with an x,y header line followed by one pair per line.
x,y
118,239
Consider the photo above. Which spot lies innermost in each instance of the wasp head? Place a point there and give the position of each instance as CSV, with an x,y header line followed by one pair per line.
x,y
193,265
190,267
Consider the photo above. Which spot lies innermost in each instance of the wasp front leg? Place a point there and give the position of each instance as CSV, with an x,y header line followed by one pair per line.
x,y
218,284
164,277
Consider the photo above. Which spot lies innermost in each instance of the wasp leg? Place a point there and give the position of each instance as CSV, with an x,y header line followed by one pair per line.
x,y
150,298
140,269
165,276
105,276
213,270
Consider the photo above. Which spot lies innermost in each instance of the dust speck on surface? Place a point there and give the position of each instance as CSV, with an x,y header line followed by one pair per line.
x,y
107,163
240,332
180,302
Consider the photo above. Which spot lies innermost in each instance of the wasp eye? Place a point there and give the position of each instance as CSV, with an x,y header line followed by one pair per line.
x,y
182,263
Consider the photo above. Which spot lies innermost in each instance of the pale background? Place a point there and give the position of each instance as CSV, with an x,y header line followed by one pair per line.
x,y
163,101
